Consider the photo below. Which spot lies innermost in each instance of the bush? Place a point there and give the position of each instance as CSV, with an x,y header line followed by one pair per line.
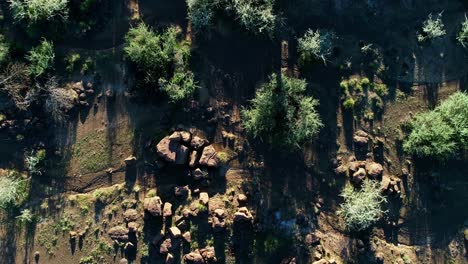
x,y
13,190
162,59
380,89
282,112
349,103
201,13
362,208
462,35
41,58
25,216
39,10
432,28
256,15
34,162
315,45
4,49
440,133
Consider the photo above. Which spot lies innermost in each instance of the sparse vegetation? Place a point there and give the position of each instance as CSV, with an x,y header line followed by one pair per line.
x,y
25,216
256,15
282,113
432,28
315,45
13,190
462,36
361,208
34,162
441,133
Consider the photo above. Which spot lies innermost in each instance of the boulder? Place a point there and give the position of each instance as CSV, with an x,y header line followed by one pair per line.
x,y
123,261
187,237
243,215
167,209
172,151
175,232
130,215
118,233
73,235
194,258
242,198
165,247
355,165
374,169
359,176
181,191
361,138
198,142
204,198
193,159
169,259
209,157
130,161
385,184
312,239
153,205
220,213
132,227
218,224
208,254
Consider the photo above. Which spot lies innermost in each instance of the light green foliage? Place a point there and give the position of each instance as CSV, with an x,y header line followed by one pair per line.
x,y
34,161
361,208
162,59
462,36
201,13
13,190
25,216
282,112
380,89
72,61
315,45
41,58
39,10
349,103
442,132
256,15
4,49
432,28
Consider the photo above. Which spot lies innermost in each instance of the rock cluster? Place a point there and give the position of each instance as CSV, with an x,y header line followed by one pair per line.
x,y
153,205
202,256
84,91
183,148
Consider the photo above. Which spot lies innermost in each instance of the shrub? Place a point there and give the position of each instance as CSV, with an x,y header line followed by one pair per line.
x,y
4,49
349,103
39,10
282,112
256,15
361,208
13,190
162,59
25,216
432,28
201,13
315,45
34,162
462,35
440,133
41,58
380,89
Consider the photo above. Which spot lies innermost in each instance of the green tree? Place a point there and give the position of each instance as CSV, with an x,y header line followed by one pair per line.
x,y
315,45
41,58
432,28
282,112
361,208
440,133
256,15
202,13
462,36
13,190
39,10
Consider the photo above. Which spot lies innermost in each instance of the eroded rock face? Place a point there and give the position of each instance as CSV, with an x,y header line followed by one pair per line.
x,y
153,205
172,151
118,233
374,169
209,157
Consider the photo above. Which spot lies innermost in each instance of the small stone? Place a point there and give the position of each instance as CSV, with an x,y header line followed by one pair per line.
x,y
130,215
219,213
187,237
73,235
165,247
175,232
242,198
359,176
123,261
204,198
130,161
167,210
132,227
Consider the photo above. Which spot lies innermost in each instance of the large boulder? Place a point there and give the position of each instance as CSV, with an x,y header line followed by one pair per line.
x,y
209,157
153,205
361,138
374,169
359,176
173,151
118,233
130,215
243,215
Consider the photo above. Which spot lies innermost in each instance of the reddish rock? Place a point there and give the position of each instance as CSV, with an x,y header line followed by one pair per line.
x,y
153,205
172,151
209,157
374,169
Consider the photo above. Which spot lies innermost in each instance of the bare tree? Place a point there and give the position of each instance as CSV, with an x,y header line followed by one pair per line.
x,y
58,100
16,83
